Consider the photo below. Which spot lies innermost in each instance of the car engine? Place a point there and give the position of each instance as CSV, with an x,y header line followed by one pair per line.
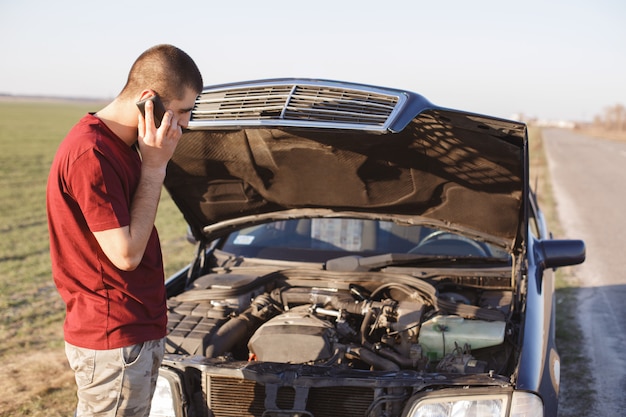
x,y
355,320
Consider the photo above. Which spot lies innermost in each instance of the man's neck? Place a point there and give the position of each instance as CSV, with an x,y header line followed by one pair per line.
x,y
121,117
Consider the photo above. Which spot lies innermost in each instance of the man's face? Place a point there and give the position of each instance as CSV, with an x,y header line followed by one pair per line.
x,y
182,108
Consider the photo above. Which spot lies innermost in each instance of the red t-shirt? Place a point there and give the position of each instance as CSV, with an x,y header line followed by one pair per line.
x,y
91,185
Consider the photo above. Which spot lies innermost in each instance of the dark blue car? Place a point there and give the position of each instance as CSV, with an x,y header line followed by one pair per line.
x,y
361,252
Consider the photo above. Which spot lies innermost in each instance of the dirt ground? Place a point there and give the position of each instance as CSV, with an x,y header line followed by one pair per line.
x,y
42,385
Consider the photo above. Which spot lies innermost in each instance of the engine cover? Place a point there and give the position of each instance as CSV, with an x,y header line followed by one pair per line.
x,y
296,336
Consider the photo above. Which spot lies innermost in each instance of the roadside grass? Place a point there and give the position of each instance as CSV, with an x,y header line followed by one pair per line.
x,y
577,395
35,379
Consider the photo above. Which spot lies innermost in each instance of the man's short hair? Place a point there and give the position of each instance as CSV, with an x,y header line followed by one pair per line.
x,y
165,69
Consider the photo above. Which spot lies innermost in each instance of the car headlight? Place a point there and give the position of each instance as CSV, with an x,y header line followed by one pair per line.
x,y
167,399
448,403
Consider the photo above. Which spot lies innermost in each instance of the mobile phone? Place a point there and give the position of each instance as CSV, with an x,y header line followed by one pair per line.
x,y
158,109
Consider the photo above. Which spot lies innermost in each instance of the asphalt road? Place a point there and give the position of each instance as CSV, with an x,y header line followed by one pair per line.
x,y
589,182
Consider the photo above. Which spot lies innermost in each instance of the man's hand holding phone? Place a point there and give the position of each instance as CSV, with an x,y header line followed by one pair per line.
x,y
157,144
158,109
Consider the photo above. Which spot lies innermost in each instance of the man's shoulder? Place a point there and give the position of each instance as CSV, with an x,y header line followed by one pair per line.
x,y
83,133
90,134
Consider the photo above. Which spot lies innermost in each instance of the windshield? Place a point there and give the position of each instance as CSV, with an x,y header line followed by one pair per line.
x,y
318,240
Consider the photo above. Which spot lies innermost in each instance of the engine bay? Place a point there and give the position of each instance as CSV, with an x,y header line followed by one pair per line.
x,y
375,321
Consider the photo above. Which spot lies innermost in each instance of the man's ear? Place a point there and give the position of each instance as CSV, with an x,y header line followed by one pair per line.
x,y
146,94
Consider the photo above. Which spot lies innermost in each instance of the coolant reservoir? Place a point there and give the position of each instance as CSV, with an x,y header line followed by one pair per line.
x,y
439,334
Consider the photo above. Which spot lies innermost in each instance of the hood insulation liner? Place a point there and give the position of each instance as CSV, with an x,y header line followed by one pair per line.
x,y
460,168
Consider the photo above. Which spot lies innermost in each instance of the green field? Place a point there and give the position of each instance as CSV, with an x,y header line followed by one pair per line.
x,y
35,379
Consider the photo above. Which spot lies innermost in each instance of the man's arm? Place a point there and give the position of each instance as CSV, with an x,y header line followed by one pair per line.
x,y
125,246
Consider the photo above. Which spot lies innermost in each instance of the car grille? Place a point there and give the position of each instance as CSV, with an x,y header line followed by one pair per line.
x,y
233,397
297,104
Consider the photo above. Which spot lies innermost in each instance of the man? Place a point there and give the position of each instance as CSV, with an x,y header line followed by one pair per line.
x,y
102,196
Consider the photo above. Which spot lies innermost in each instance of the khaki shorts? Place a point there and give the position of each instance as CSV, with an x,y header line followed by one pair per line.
x,y
116,382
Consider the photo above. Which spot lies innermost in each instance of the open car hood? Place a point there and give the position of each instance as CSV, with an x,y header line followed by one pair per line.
x,y
285,144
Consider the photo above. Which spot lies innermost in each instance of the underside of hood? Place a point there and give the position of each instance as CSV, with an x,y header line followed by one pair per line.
x,y
464,169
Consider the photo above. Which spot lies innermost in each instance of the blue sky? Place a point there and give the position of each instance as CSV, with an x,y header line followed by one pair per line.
x,y
549,59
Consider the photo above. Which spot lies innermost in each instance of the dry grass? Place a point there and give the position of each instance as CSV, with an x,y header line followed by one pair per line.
x,y
40,385
603,133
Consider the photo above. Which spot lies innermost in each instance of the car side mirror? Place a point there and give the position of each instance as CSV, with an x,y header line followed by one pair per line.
x,y
560,252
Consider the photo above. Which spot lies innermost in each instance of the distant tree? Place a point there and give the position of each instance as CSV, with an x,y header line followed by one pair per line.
x,y
598,121
620,116
614,118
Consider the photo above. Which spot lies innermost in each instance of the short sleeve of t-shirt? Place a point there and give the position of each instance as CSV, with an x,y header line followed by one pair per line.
x,y
100,192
